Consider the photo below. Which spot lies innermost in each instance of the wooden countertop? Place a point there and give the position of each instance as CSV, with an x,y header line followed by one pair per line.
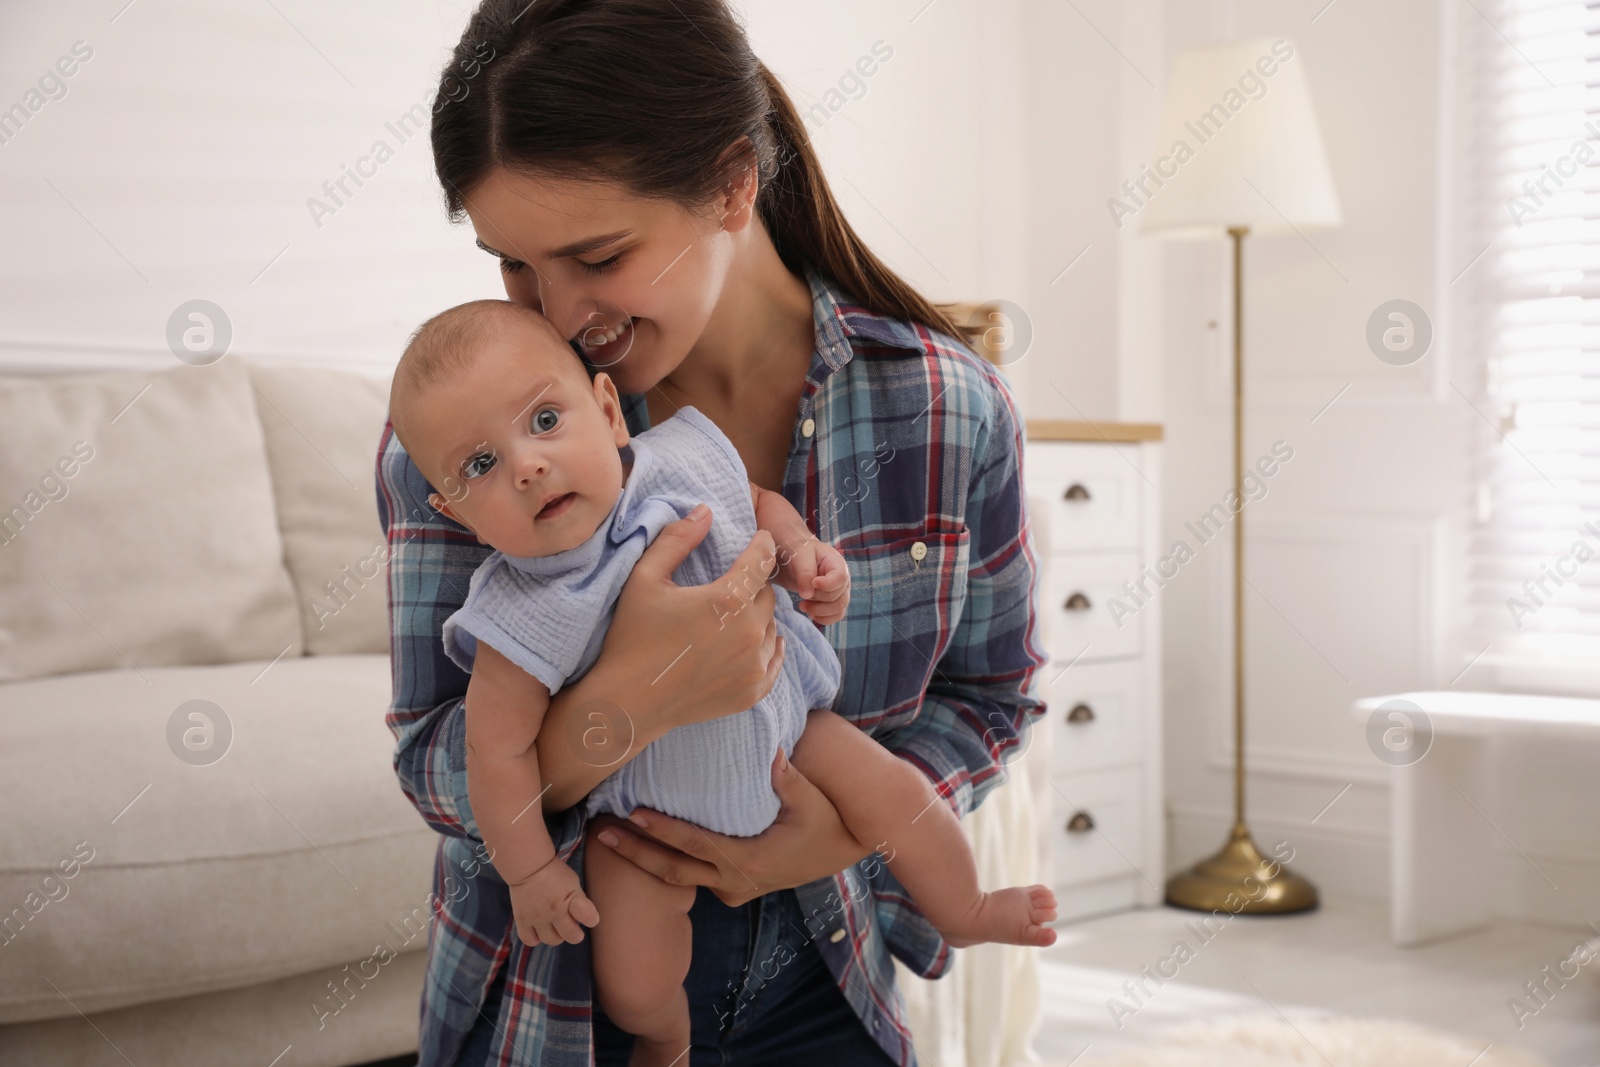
x,y
1119,432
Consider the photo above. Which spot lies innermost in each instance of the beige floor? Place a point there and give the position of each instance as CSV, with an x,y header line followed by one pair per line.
x,y
1337,959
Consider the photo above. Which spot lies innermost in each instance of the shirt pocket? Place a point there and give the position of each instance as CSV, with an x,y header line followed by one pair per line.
x,y
906,597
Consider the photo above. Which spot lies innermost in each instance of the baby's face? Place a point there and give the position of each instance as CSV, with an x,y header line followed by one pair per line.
x,y
524,444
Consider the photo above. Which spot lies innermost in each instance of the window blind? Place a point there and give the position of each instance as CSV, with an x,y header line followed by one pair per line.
x,y
1528,187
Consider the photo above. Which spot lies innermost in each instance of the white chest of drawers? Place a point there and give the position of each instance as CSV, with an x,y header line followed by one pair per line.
x,y
1093,504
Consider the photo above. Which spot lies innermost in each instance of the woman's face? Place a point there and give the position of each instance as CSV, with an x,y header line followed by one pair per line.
x,y
632,280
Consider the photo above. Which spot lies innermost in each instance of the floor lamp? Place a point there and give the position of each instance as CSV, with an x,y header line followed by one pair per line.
x,y
1239,153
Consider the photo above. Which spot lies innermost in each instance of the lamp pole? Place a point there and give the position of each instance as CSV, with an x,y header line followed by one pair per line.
x,y
1239,879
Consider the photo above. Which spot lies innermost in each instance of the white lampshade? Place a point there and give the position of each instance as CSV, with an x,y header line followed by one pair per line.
x,y
1239,146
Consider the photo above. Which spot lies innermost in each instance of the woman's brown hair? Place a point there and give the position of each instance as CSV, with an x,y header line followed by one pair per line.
x,y
653,94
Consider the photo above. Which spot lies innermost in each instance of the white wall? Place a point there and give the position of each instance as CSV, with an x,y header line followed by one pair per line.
x,y
179,164
180,161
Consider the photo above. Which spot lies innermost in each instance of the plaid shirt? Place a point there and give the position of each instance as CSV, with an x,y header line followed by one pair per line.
x,y
906,455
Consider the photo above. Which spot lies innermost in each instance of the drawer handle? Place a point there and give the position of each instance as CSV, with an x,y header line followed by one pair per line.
x,y
1081,713
1077,602
1080,823
1075,491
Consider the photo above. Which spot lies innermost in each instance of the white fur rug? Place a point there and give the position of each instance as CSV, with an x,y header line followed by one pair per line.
x,y
1268,1041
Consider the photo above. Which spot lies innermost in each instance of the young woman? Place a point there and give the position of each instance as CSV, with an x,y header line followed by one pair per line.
x,y
645,183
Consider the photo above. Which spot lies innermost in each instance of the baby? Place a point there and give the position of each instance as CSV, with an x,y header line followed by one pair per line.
x,y
491,403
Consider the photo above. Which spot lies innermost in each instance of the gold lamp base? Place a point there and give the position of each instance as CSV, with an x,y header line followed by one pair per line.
x,y
1219,883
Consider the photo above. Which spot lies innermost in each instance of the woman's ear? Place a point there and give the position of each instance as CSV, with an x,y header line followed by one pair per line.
x,y
605,393
737,206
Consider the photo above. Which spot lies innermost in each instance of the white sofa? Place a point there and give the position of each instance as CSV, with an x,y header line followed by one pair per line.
x,y
166,537
208,859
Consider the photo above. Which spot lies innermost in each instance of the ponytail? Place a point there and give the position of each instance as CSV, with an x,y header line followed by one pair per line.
x,y
805,222
546,92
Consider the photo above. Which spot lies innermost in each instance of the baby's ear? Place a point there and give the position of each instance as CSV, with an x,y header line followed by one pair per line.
x,y
605,393
442,506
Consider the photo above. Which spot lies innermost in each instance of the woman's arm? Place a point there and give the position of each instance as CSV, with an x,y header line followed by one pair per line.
x,y
805,842
977,711
727,658
430,562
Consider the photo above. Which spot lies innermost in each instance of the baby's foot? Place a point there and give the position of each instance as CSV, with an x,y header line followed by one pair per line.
x,y
1014,916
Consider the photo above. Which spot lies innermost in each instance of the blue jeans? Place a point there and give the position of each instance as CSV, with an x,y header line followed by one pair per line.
x,y
795,1018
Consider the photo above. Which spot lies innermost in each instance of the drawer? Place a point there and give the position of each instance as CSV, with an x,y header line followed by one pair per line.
x,y
1090,493
1098,711
1106,820
1077,607
1092,899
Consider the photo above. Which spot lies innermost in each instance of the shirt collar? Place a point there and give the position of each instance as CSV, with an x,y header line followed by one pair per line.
x,y
841,323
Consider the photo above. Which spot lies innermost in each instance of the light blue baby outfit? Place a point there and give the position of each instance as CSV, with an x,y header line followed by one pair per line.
x,y
549,615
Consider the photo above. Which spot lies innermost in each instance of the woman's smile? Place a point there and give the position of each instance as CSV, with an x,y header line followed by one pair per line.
x,y
606,344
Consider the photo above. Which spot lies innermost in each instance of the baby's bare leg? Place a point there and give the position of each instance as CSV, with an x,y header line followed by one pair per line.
x,y
891,807
641,951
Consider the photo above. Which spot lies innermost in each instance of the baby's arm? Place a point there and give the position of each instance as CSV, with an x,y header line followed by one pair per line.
x,y
505,707
806,565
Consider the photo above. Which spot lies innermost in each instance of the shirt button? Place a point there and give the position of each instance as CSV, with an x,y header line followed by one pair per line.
x,y
919,551
836,937
808,428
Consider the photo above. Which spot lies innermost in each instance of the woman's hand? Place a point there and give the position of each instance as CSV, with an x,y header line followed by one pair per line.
x,y
700,651
807,841
673,655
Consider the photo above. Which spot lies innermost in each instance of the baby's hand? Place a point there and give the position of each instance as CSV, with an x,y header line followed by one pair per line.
x,y
818,573
550,904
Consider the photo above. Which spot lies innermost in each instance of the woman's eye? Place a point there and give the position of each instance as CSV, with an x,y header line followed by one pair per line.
x,y
602,266
545,419
477,465
510,266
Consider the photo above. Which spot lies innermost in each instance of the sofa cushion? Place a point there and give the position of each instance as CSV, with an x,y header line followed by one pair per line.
x,y
137,526
375,1019
129,873
322,428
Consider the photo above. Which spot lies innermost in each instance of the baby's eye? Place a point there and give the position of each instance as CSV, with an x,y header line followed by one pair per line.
x,y
477,465
545,419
